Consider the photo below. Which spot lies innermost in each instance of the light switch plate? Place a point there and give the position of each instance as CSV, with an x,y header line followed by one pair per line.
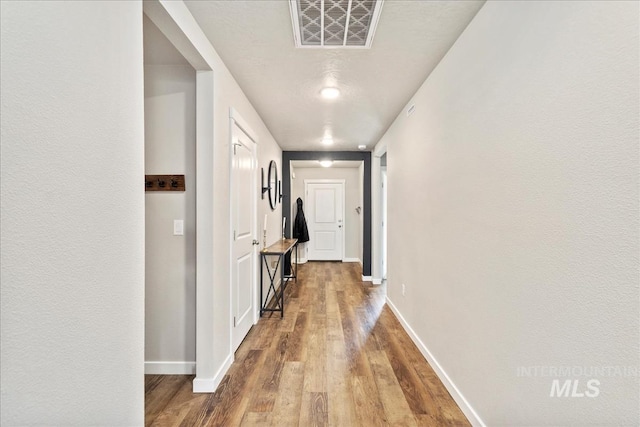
x,y
178,227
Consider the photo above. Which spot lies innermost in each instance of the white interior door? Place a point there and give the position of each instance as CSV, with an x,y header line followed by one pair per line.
x,y
243,218
325,220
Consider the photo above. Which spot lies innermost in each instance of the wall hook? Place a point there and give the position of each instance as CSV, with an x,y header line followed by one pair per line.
x,y
264,189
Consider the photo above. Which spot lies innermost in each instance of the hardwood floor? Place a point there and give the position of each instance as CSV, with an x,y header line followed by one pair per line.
x,y
339,357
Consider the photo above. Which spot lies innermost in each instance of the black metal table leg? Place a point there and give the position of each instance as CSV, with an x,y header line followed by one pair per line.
x,y
282,285
279,249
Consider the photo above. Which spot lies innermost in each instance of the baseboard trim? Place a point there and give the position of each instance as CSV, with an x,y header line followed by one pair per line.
x,y
366,278
464,405
169,368
351,260
209,385
302,261
376,281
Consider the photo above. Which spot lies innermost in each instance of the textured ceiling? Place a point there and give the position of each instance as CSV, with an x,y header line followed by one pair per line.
x,y
255,40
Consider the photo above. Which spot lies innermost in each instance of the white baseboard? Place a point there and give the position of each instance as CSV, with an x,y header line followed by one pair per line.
x,y
209,385
366,278
464,405
302,261
169,368
376,281
352,260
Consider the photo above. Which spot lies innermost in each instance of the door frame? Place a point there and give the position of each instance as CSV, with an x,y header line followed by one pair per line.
x,y
236,119
384,262
376,217
344,220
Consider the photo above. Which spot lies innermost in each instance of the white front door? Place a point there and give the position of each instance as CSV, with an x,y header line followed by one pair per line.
x,y
325,202
243,220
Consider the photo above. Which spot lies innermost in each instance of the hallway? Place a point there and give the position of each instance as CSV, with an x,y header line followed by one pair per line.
x,y
339,357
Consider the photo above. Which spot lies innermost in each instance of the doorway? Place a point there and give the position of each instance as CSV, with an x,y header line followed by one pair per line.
x,y
325,220
170,216
358,207
207,316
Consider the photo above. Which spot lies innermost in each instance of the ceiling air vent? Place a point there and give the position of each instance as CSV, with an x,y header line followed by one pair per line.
x,y
334,23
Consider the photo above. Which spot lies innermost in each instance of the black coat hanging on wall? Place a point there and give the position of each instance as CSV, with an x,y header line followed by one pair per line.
x,y
300,230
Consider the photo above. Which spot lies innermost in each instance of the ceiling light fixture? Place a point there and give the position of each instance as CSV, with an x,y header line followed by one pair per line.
x,y
362,147
327,140
330,92
326,163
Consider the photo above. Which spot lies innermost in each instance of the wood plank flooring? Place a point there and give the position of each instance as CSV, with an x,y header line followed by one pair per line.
x,y
338,358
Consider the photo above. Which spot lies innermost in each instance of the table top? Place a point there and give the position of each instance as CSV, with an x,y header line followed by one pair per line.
x,y
282,246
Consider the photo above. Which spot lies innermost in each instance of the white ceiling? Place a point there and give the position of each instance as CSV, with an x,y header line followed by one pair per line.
x,y
255,40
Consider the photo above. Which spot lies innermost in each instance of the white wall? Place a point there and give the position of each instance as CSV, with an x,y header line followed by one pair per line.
x,y
170,261
213,348
353,188
513,210
72,295
228,94
266,153
376,213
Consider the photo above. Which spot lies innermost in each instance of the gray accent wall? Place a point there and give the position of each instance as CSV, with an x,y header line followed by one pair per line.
x,y
288,156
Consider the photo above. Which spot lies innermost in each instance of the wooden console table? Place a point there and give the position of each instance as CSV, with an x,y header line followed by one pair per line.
x,y
279,250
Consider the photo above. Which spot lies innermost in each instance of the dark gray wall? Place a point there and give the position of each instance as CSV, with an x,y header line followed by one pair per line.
x,y
365,157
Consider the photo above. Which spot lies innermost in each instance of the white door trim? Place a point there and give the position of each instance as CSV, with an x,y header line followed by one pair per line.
x,y
235,118
242,124
344,221
204,229
376,214
384,223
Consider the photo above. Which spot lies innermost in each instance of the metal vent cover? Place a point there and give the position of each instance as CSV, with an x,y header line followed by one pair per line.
x,y
334,23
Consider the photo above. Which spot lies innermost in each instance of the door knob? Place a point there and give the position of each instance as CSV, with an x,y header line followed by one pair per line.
x,y
255,242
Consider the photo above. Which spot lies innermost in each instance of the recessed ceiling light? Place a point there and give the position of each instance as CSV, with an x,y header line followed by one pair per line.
x,y
326,163
327,140
330,92
362,147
